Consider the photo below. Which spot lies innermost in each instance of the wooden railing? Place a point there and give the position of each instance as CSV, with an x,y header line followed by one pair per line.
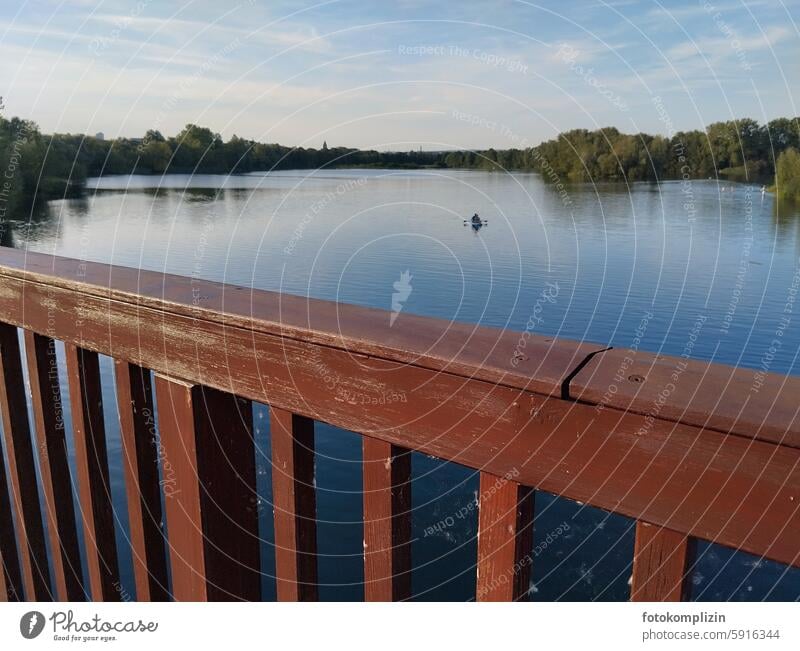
x,y
691,450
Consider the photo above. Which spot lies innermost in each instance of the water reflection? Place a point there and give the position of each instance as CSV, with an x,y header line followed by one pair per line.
x,y
621,256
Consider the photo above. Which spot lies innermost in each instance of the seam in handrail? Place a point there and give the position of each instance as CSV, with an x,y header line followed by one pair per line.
x,y
566,381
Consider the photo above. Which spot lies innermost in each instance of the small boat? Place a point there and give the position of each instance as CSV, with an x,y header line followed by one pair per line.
x,y
476,222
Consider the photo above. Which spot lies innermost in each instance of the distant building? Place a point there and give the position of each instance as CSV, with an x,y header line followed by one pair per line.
x,y
100,135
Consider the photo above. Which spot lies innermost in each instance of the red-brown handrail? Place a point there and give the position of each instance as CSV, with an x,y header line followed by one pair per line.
x,y
689,449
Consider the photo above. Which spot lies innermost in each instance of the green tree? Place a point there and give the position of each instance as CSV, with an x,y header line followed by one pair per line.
x,y
783,133
787,175
156,156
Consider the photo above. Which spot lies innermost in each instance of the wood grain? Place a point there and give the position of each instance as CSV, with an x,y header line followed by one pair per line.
x,y
140,446
514,359
505,539
91,460
387,521
31,545
10,575
56,479
209,489
294,497
660,564
747,402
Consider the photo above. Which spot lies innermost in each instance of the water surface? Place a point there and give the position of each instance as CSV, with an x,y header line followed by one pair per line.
x,y
628,262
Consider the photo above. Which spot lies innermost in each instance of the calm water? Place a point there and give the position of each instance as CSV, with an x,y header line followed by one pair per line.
x,y
666,254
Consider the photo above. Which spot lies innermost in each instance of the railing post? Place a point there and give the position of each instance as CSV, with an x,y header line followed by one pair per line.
x,y
660,563
22,471
387,521
48,416
91,460
209,479
295,507
140,451
505,539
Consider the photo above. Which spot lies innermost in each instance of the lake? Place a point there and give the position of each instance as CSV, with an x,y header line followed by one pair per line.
x,y
622,261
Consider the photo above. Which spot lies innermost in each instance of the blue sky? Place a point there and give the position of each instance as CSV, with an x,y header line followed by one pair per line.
x,y
400,74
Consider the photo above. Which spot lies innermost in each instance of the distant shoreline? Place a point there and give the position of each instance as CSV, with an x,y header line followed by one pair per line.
x,y
733,151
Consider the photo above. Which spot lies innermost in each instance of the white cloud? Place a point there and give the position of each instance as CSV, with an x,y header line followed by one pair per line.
x,y
714,46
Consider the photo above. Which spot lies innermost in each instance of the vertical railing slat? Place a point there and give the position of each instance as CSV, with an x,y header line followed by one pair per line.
x,y
294,499
4,589
32,546
140,454
48,417
387,521
210,492
10,575
660,563
91,460
505,539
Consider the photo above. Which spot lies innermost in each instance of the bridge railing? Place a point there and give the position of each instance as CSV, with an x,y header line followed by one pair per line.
x,y
690,450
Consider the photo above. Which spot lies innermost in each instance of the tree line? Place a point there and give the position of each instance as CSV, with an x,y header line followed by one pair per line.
x,y
38,167
739,150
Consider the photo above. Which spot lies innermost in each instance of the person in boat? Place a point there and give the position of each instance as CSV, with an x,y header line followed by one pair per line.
x,y
476,219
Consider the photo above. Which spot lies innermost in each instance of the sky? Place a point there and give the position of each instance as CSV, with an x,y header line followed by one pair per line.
x,y
397,75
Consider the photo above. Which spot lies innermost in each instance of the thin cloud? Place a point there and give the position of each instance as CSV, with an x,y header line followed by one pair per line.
x,y
717,45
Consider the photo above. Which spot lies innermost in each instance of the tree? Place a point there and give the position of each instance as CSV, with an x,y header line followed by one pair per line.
x,y
787,175
194,137
783,133
156,156
237,155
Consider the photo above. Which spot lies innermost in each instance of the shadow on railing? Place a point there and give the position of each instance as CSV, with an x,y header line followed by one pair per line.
x,y
689,449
